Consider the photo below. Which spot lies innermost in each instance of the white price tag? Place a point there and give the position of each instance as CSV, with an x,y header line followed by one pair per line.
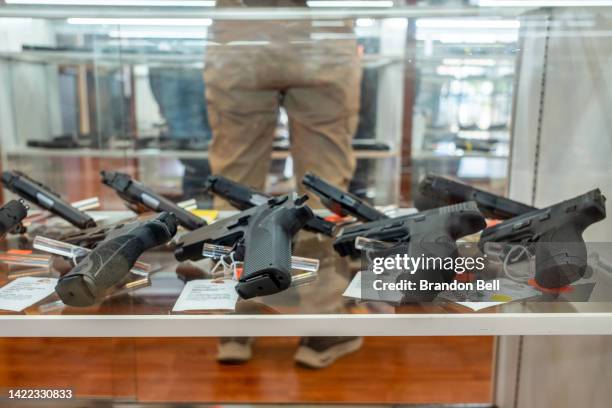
x,y
207,294
24,292
354,288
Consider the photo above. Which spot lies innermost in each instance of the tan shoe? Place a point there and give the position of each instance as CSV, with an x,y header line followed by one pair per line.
x,y
234,350
320,352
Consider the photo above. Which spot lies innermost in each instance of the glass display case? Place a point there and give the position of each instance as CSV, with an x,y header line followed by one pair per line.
x,y
509,97
107,87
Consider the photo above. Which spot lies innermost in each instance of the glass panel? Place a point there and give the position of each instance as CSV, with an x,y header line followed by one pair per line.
x,y
414,89
507,96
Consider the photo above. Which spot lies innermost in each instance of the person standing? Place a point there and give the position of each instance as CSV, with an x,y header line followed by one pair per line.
x,y
312,69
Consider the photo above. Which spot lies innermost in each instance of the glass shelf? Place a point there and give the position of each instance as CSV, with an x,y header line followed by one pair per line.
x,y
316,309
258,13
121,153
116,58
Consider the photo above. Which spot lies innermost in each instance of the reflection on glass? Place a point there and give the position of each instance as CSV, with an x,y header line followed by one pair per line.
x,y
139,87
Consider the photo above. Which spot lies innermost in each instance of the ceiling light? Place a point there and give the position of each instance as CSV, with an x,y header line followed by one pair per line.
x,y
157,34
544,3
350,3
128,3
364,22
179,22
466,23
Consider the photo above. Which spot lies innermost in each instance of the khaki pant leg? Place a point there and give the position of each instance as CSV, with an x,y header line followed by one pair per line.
x,y
323,119
323,113
243,120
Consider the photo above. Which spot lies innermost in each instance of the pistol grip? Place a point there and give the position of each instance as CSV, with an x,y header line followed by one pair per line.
x,y
560,257
436,245
104,267
267,261
110,262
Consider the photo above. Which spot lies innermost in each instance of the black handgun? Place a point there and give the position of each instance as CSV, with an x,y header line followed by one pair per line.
x,y
438,228
340,202
555,235
11,216
46,198
427,235
243,197
110,262
262,235
135,194
436,191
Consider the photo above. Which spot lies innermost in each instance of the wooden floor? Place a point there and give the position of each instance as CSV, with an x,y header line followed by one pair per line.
x,y
385,370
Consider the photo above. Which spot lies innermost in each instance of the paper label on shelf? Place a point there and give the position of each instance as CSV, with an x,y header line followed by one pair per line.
x,y
476,306
207,294
510,291
24,292
354,291
354,288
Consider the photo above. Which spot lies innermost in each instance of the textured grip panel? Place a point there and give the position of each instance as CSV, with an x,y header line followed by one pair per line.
x,y
272,248
267,258
108,264
560,257
114,260
268,253
103,268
